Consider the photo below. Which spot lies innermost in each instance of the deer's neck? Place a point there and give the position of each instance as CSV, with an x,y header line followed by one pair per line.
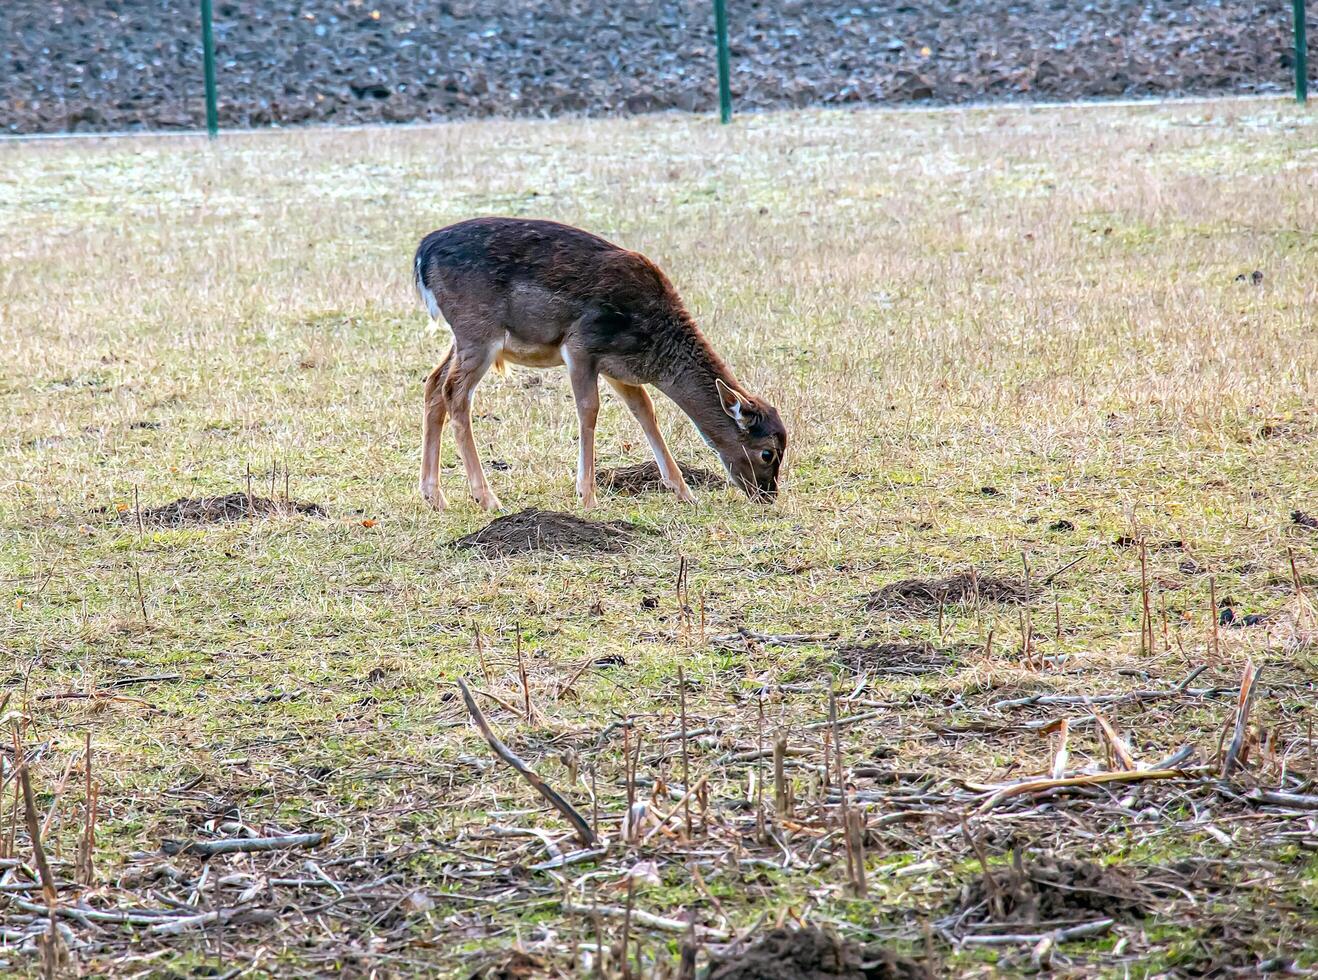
x,y
689,381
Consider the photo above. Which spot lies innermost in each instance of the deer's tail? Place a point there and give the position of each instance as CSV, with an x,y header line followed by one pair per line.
x,y
427,294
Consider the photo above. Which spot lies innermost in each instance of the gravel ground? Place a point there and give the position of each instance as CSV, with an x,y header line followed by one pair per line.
x,y
128,64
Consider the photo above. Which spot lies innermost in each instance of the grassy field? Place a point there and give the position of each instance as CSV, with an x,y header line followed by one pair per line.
x,y
1002,340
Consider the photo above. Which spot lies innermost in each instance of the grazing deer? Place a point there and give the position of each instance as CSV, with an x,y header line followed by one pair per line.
x,y
541,294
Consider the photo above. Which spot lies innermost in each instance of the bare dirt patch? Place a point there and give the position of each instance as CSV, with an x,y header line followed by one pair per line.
x,y
644,478
546,530
512,965
1053,889
810,952
923,597
894,658
221,510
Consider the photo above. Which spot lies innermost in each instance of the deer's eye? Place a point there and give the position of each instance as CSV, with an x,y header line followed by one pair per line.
x,y
766,455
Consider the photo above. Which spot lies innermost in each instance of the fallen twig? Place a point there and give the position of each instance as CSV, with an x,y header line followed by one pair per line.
x,y
584,834
173,927
150,679
795,752
1097,927
234,845
647,919
1299,801
103,695
573,857
770,639
1097,779
142,917
1048,579
848,720
1182,689
1173,761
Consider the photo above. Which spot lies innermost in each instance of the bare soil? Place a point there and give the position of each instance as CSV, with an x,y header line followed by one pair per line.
x,y
137,63
512,965
808,953
533,529
221,510
1054,889
644,478
923,597
893,658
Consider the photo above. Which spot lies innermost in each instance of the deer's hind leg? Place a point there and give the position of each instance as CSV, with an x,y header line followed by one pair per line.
x,y
470,362
433,412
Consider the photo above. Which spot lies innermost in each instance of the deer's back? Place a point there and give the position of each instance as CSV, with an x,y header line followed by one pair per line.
x,y
544,284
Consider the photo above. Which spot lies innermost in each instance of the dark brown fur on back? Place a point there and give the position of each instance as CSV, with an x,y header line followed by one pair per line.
x,y
626,306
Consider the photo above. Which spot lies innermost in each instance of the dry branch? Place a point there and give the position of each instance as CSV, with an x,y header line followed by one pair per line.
x,y
1048,579
140,917
1298,801
1095,928
584,834
1182,689
1097,779
173,927
647,919
573,857
235,845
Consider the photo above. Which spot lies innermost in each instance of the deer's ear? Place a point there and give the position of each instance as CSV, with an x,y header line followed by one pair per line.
x,y
733,404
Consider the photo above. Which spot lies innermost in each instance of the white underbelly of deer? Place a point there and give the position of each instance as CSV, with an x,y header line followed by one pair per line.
x,y
516,351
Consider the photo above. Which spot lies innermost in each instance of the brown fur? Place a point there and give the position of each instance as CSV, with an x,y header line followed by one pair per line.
x,y
539,293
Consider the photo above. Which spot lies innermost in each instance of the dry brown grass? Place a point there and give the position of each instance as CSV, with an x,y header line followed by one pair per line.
x,y
1041,302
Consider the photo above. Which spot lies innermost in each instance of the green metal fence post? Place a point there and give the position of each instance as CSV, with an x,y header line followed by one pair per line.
x,y
1301,56
208,53
724,66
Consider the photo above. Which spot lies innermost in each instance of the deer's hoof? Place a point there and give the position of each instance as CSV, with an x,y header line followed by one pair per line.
x,y
683,493
586,491
434,497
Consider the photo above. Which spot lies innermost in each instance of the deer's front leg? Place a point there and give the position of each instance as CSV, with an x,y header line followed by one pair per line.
x,y
638,402
584,376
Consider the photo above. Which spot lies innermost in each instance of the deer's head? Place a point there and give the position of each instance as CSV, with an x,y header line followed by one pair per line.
x,y
752,445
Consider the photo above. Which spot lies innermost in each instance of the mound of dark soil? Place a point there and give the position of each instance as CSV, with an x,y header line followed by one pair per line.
x,y
220,510
514,964
1052,889
644,478
901,659
809,953
135,63
922,597
546,530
